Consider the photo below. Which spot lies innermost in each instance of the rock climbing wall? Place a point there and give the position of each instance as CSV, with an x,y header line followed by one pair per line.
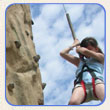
x,y
23,78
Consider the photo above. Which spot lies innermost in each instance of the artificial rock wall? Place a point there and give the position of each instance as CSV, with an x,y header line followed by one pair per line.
x,y
23,78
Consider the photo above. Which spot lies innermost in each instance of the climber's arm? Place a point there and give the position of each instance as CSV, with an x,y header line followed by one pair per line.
x,y
72,59
90,53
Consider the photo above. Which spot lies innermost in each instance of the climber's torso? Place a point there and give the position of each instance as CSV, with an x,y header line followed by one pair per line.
x,y
93,64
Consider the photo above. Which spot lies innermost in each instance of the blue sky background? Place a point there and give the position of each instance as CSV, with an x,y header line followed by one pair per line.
x,y
52,34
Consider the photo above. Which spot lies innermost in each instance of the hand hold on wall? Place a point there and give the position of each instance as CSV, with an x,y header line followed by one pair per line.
x,y
18,44
36,58
11,87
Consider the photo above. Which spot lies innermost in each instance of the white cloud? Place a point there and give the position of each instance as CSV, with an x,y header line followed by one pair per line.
x,y
96,29
51,35
98,26
75,11
50,12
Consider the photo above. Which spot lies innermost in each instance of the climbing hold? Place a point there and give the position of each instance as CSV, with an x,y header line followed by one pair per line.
x,y
27,33
43,85
18,44
32,37
36,58
32,22
11,87
40,101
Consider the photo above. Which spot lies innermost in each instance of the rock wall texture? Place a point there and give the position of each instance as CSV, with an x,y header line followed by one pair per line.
x,y
23,78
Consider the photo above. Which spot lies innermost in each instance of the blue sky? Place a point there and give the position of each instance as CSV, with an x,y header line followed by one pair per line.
x,y
52,34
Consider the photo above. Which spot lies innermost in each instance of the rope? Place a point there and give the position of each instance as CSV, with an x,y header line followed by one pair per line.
x,y
64,8
69,22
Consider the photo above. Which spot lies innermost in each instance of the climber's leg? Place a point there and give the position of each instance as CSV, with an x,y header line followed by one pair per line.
x,y
99,90
77,97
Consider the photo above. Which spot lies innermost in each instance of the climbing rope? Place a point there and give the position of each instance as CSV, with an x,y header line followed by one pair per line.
x,y
71,27
69,22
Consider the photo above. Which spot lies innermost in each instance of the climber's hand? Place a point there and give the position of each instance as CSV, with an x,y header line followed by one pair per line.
x,y
75,43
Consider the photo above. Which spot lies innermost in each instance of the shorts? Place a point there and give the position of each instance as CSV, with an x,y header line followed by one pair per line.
x,y
89,90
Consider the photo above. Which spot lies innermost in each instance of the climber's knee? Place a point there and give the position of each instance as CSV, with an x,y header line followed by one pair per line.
x,y
74,102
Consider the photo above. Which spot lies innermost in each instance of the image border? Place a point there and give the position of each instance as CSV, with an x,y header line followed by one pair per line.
x,y
104,53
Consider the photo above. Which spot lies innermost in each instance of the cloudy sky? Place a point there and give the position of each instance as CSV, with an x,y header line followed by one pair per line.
x,y
52,34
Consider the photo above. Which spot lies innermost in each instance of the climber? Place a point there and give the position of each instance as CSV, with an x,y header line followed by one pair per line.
x,y
89,83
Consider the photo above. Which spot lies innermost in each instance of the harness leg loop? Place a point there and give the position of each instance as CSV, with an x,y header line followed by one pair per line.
x,y
93,85
84,88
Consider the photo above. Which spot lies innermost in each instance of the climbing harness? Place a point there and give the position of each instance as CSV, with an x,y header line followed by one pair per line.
x,y
79,80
